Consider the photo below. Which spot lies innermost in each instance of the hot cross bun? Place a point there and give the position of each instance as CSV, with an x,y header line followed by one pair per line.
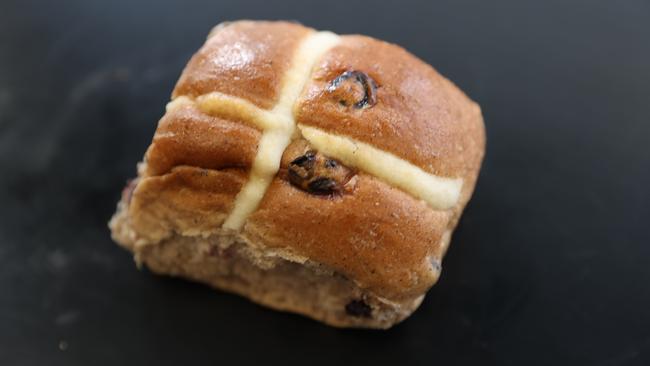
x,y
310,172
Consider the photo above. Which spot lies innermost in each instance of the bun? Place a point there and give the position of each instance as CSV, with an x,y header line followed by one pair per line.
x,y
310,172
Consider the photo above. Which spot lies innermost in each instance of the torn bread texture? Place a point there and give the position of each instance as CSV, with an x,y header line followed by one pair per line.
x,y
277,279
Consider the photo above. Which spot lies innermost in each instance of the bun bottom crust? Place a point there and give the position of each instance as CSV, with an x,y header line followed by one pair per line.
x,y
227,262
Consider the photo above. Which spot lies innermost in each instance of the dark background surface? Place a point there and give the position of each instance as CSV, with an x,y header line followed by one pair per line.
x,y
550,264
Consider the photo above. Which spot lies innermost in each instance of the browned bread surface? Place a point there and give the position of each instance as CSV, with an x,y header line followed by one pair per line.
x,y
187,199
377,234
419,115
246,59
186,136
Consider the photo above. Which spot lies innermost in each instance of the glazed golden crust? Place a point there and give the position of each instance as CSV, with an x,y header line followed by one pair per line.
x,y
386,240
187,136
246,59
419,115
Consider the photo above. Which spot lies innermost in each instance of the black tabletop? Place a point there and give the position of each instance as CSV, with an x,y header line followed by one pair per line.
x,y
550,263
